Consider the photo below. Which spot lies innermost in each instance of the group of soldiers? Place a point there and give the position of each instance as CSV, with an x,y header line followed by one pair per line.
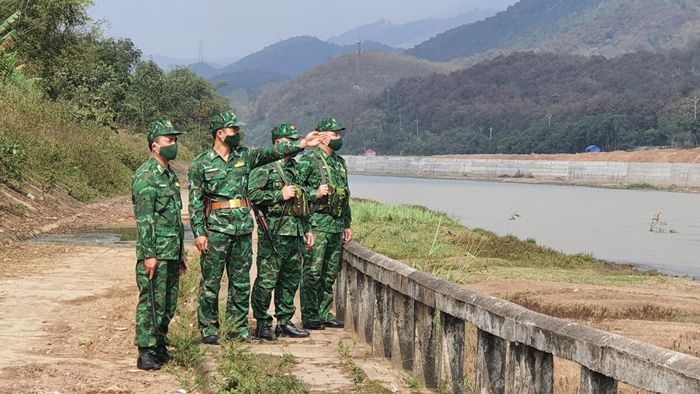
x,y
303,216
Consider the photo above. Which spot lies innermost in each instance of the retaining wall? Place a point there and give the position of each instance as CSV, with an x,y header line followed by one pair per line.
x,y
603,172
420,322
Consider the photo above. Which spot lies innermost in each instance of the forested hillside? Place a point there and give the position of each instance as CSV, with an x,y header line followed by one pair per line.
x,y
338,87
529,102
585,27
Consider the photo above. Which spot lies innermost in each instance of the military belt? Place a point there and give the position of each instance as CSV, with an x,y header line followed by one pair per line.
x,y
235,203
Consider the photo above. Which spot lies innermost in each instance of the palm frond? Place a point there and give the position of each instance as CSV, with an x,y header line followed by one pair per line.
x,y
5,31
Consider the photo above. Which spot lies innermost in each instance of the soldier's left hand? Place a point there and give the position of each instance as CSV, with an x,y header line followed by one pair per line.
x,y
289,192
310,240
184,265
347,235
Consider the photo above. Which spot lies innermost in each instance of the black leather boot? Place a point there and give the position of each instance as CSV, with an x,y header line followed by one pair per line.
x,y
290,330
147,362
334,323
314,326
162,355
265,332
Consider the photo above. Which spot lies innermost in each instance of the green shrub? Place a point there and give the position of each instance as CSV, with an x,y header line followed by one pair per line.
x,y
13,159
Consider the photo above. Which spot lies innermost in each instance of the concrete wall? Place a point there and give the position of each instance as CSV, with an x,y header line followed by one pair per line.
x,y
419,322
602,172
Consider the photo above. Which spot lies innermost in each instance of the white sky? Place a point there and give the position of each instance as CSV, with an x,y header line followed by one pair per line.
x,y
231,29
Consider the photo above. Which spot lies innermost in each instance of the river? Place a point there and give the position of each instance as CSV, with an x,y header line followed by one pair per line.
x,y
611,224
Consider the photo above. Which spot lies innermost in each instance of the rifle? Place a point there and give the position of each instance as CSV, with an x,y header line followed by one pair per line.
x,y
154,318
263,223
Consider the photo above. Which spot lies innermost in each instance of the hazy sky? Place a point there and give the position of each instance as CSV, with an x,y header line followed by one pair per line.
x,y
232,29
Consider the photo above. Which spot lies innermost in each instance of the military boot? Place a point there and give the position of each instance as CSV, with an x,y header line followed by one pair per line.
x,y
333,323
265,332
148,362
290,330
315,325
162,355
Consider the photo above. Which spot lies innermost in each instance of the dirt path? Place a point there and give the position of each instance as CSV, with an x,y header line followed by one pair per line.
x,y
66,322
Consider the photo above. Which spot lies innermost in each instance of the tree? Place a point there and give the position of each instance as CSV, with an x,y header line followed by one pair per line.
x,y
49,35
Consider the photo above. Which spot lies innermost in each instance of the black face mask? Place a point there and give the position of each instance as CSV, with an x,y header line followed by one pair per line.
x,y
336,144
169,152
233,140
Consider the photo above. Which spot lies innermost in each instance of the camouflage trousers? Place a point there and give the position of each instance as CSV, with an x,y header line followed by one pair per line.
x,y
233,253
321,267
166,282
279,271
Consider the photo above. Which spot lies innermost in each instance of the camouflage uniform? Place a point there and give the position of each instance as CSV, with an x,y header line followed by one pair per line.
x,y
330,217
279,267
228,230
157,208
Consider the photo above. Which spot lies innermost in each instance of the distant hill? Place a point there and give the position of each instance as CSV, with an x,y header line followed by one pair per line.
x,y
296,55
204,70
252,81
334,88
406,35
588,27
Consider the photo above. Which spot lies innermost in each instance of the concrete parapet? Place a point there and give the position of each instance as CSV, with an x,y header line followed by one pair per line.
x,y
418,321
603,172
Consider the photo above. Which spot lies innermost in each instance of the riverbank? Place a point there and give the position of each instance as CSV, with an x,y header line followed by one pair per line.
x,y
663,169
644,305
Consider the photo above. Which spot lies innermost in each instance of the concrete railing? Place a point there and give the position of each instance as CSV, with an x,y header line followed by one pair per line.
x,y
420,321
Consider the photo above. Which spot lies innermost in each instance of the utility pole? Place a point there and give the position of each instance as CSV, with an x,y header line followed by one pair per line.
x,y
359,54
695,107
416,128
490,132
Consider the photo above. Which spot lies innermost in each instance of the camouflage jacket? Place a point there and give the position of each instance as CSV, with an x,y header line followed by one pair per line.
x,y
315,167
213,179
155,192
265,189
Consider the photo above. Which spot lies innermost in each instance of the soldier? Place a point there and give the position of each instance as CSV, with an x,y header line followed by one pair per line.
x,y
324,174
222,224
283,231
155,193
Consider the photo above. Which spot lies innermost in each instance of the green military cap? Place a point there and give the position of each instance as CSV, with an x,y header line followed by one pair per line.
x,y
160,127
329,124
285,130
223,120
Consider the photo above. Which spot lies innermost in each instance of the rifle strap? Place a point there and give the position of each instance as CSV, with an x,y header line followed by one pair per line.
x,y
279,170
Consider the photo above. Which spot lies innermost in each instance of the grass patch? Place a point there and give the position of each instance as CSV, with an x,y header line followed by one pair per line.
x,y
362,383
433,242
228,368
647,312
